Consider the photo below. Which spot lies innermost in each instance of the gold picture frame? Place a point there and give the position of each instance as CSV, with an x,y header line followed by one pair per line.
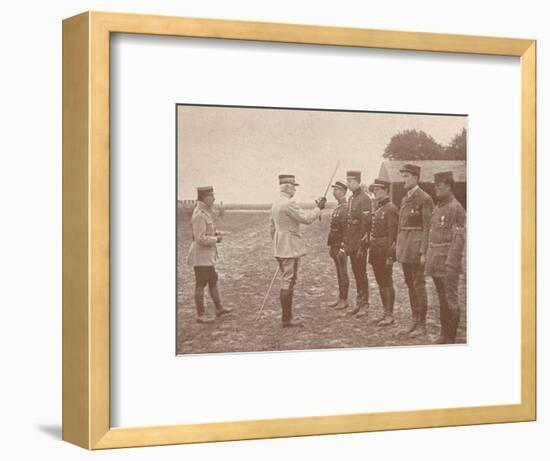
x,y
86,230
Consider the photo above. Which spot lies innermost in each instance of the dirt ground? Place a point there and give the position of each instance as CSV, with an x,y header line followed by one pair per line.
x,y
246,267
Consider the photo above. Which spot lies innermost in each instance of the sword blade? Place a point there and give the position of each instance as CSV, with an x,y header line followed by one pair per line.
x,y
331,178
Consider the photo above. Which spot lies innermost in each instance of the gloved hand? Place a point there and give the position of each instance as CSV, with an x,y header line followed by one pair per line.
x,y
342,250
321,202
218,237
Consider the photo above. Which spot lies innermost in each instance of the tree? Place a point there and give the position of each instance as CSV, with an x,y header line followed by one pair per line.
x,y
413,145
456,149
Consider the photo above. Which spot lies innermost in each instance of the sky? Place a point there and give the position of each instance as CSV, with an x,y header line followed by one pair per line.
x,y
241,151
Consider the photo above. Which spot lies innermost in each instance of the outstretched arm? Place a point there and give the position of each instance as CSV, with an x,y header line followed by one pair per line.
x,y
302,216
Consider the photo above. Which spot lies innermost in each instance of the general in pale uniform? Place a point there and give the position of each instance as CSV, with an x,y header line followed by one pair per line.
x,y
382,245
446,241
203,253
412,244
356,240
288,243
335,241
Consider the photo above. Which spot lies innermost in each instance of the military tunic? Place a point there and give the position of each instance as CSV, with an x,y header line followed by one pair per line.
x,y
202,255
336,236
203,250
446,239
359,210
288,242
414,224
356,241
444,261
382,251
338,225
412,242
383,231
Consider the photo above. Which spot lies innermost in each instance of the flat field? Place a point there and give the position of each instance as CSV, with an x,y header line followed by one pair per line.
x,y
246,267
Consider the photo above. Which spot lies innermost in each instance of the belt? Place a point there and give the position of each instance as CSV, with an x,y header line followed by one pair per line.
x,y
411,228
436,245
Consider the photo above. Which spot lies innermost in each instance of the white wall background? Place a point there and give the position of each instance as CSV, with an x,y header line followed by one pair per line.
x,y
30,234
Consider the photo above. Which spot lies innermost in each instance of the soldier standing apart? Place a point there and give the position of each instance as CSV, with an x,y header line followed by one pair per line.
x,y
203,253
338,225
288,243
445,250
412,243
356,240
382,247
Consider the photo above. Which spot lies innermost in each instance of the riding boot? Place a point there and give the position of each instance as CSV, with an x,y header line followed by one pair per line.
x,y
419,330
215,295
199,304
358,305
384,299
286,306
414,315
388,308
342,304
454,319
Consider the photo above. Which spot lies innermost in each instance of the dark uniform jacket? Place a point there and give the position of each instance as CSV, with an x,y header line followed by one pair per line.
x,y
359,211
446,239
383,232
338,225
414,224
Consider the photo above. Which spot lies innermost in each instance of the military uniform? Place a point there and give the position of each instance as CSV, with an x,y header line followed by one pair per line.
x,y
203,254
203,251
382,242
335,241
288,243
356,240
412,242
446,242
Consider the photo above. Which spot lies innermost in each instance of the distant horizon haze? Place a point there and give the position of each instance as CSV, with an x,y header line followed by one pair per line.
x,y
241,151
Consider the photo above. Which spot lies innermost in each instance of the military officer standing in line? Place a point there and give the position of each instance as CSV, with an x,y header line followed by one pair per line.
x,y
382,247
338,225
356,240
203,253
288,243
412,243
445,250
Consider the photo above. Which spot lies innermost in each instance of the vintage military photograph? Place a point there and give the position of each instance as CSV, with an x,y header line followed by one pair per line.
x,y
307,229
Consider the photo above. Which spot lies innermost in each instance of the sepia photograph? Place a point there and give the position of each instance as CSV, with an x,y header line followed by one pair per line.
x,y
308,229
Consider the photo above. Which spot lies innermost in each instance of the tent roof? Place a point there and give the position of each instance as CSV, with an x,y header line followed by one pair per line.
x,y
389,169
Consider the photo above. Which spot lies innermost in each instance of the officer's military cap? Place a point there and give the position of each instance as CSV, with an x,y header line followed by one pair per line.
x,y
412,169
354,175
379,183
204,191
342,185
287,179
444,176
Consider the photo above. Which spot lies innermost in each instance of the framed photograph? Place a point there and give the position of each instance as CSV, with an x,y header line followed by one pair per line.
x,y
276,230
